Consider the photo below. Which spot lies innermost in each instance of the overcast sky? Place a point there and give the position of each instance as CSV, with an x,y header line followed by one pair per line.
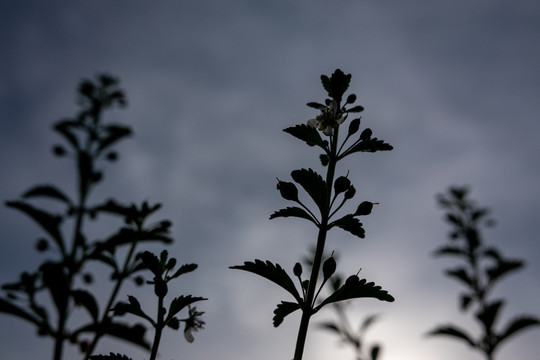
x,y
454,86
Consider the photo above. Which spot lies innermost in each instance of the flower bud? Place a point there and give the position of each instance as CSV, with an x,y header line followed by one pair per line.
x,y
324,159
297,270
171,263
329,267
364,208
366,134
59,150
341,184
160,287
351,98
42,245
354,126
349,194
288,190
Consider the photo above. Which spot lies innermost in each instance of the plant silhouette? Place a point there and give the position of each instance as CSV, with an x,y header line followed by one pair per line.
x,y
342,327
482,267
329,195
89,141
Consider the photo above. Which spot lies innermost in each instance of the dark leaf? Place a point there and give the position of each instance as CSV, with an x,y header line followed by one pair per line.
x,y
178,303
132,307
316,105
516,325
368,321
350,224
448,250
466,301
356,288
503,268
111,356
49,191
65,127
308,134
133,334
86,299
336,85
48,222
488,315
314,185
174,323
8,308
55,279
283,309
462,275
186,268
294,212
331,326
453,331
375,351
274,273
368,145
151,262
114,134
356,109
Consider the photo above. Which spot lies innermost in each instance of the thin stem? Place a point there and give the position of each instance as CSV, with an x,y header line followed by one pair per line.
x,y
99,332
159,329
307,309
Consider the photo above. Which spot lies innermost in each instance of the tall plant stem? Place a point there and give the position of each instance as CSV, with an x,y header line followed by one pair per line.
x,y
307,309
159,329
112,298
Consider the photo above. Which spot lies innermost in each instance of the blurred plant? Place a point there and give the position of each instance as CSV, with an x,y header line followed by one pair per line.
x,y
324,193
89,142
483,266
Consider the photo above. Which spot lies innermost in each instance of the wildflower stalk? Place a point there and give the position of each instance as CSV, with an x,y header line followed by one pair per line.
x,y
319,251
323,192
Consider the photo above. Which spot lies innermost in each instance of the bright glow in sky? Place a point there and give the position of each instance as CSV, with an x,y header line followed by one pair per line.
x,y
454,86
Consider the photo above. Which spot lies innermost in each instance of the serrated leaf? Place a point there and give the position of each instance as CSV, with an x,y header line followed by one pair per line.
x,y
314,185
368,145
293,212
274,273
336,85
48,222
48,191
86,299
454,332
283,309
151,262
308,134
180,302
350,224
355,288
184,269
111,356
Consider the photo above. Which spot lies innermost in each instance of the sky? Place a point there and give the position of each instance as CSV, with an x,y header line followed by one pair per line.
x,y
454,86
